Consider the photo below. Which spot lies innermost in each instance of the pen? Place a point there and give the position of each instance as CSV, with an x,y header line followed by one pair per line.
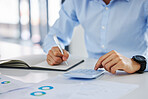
x,y
59,46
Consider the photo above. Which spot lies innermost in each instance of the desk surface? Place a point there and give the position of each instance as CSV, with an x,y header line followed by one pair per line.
x,y
8,50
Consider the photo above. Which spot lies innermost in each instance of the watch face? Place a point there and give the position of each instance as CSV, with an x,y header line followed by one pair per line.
x,y
140,58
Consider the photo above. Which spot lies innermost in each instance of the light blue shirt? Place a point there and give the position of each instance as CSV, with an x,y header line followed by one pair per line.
x,y
122,25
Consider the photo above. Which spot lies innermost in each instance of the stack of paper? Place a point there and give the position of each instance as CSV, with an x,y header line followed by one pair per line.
x,y
87,90
8,84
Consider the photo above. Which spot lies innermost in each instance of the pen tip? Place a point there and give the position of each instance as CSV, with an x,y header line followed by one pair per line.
x,y
66,63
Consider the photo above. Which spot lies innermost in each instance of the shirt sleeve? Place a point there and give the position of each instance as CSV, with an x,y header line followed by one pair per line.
x,y
63,27
146,52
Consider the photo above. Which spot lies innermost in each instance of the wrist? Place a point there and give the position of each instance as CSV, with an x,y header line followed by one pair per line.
x,y
136,65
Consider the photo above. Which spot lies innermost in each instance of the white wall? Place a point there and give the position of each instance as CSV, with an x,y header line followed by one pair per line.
x,y
77,46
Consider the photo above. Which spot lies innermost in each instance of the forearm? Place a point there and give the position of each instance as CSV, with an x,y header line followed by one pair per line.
x,y
62,28
49,43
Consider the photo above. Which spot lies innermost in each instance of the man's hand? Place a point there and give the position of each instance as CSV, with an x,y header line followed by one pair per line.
x,y
113,61
55,56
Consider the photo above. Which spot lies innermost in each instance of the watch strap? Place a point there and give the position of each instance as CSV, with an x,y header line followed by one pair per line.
x,y
142,64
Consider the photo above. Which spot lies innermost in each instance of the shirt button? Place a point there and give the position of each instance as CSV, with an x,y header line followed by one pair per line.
x,y
106,8
103,46
103,27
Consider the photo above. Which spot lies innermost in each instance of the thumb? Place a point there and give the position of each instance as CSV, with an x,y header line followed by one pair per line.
x,y
66,55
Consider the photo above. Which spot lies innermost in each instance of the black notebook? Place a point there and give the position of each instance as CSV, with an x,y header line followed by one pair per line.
x,y
39,62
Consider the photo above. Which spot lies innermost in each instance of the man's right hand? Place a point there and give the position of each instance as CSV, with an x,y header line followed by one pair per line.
x,y
55,57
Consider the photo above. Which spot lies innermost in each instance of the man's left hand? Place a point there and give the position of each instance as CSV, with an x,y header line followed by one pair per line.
x,y
113,61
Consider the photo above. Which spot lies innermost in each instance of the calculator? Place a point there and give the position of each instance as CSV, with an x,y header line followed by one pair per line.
x,y
84,73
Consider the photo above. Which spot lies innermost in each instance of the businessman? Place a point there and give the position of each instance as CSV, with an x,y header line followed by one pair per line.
x,y
115,33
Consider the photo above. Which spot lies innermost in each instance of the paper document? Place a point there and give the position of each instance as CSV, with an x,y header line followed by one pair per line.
x,y
43,91
103,90
94,89
7,84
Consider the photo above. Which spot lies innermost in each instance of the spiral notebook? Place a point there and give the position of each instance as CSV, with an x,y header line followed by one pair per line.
x,y
39,62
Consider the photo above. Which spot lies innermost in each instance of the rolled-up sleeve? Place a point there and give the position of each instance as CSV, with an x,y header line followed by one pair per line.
x,y
146,33
63,27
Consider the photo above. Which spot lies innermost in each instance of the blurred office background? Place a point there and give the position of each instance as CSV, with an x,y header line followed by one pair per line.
x,y
27,22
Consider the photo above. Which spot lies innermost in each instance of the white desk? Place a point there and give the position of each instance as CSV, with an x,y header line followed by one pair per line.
x,y
35,76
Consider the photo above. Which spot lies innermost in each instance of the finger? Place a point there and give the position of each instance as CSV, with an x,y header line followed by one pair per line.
x,y
50,60
102,58
111,63
66,55
108,59
105,68
56,51
101,66
116,67
56,60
